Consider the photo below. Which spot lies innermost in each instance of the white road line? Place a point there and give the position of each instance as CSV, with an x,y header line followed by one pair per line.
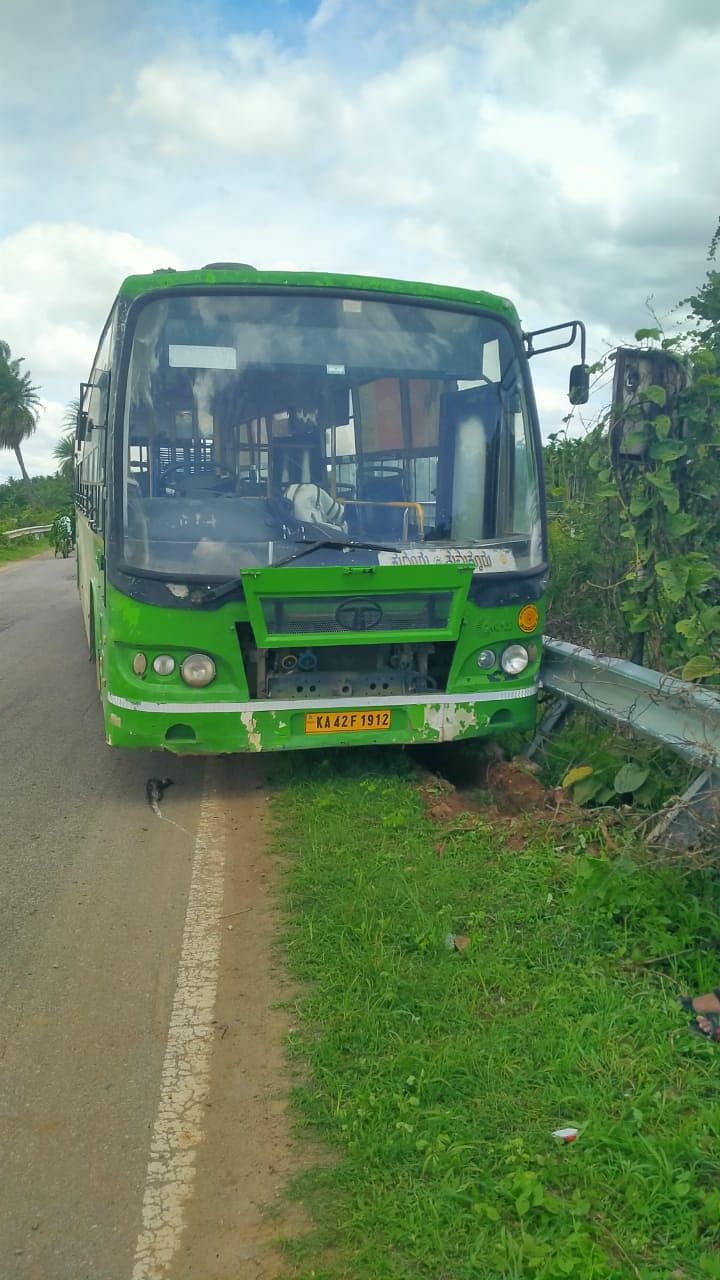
x,y
186,1068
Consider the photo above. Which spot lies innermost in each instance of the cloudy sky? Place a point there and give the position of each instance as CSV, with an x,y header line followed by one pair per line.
x,y
561,152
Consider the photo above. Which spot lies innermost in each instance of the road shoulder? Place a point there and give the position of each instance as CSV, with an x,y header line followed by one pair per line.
x,y
247,1157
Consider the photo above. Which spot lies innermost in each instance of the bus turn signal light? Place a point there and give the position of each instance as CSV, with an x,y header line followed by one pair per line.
x,y
528,618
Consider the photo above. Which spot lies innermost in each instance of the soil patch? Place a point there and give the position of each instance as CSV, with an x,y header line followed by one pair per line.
x,y
515,788
506,793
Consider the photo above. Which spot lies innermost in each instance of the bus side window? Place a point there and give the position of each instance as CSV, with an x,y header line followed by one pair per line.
x,y
91,465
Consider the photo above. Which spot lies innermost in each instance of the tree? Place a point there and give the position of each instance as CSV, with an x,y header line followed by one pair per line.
x,y
70,416
19,402
64,455
64,451
658,570
705,305
705,308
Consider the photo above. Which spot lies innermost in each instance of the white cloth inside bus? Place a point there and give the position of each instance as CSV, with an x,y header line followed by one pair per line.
x,y
313,505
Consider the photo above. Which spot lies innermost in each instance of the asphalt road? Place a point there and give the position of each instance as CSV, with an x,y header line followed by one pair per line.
x,y
93,901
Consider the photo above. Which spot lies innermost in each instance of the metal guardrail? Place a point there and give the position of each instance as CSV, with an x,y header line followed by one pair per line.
x,y
32,531
682,717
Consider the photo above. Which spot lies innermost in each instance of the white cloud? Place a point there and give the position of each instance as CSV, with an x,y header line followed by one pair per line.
x,y
58,284
531,149
542,148
256,101
326,11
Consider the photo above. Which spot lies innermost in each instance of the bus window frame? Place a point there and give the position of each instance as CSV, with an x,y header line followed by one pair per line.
x,y
91,438
126,313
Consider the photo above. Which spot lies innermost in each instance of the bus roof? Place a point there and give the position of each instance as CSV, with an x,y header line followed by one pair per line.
x,y
135,286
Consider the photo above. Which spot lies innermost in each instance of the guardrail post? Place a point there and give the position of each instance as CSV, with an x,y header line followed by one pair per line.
x,y
693,820
556,715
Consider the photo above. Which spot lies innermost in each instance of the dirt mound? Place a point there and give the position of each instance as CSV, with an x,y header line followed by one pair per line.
x,y
508,794
515,787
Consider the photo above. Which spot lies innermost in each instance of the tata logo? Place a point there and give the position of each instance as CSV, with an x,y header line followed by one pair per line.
x,y
360,614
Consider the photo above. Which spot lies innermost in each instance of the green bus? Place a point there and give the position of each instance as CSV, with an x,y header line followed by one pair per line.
x,y
310,511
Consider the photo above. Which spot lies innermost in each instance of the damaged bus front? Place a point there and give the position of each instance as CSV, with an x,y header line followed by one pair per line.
x,y
310,511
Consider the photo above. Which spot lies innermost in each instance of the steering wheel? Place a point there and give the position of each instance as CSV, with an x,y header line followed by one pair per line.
x,y
212,481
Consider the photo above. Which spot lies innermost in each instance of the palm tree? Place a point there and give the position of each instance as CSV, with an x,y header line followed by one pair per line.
x,y
19,402
70,416
64,451
64,455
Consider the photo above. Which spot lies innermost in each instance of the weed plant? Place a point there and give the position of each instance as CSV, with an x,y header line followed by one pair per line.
x,y
21,549
611,765
437,1076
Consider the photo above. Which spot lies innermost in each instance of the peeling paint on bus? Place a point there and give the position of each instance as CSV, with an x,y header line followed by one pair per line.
x,y
248,722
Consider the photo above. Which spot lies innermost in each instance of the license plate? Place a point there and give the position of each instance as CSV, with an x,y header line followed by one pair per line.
x,y
347,721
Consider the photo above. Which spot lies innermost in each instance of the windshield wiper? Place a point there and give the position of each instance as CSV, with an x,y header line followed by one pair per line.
x,y
332,544
310,545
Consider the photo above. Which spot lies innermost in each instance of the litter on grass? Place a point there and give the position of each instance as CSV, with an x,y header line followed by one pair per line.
x,y
565,1135
456,942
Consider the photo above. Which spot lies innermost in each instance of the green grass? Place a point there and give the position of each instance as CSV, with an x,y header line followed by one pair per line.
x,y
437,1077
21,549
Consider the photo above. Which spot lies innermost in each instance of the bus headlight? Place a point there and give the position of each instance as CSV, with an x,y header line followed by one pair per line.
x,y
198,670
515,659
163,665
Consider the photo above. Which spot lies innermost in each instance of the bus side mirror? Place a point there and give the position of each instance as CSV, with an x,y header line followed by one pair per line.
x,y
84,426
579,389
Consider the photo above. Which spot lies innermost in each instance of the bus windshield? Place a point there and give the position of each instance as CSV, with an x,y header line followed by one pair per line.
x,y
256,422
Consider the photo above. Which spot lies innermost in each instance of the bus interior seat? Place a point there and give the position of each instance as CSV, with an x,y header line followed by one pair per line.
x,y
382,486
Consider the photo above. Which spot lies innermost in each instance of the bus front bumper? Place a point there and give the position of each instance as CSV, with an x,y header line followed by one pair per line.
x,y
226,727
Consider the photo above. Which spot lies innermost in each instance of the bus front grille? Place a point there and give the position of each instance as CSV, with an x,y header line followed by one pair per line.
x,y
360,615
